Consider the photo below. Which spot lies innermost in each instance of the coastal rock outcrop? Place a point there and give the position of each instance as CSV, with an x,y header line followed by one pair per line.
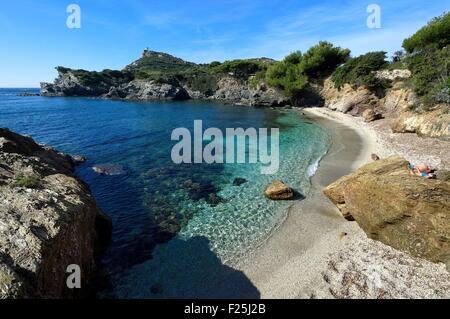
x,y
278,190
122,85
406,212
148,90
348,99
370,115
397,101
399,98
435,123
393,75
238,92
69,83
48,221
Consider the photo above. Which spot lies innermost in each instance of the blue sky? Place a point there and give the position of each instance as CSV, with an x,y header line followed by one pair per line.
x,y
34,36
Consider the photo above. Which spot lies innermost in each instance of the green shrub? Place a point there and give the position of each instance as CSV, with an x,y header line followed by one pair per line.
x,y
62,69
199,80
435,35
287,77
297,70
26,181
293,58
257,79
214,64
322,59
241,69
430,74
360,71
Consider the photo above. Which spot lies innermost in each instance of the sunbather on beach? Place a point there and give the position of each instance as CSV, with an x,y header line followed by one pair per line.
x,y
422,171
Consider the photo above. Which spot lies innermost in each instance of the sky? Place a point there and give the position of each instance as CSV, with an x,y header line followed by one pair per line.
x,y
35,38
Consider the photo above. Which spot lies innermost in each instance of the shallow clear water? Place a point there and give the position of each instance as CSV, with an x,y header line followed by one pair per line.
x,y
164,228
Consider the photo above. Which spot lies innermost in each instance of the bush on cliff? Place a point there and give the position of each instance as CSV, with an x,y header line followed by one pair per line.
x,y
435,35
428,60
297,70
199,80
93,78
287,75
359,71
430,74
240,69
322,59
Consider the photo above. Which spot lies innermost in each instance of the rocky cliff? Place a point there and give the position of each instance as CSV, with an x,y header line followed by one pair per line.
x,y
240,93
48,221
406,212
158,75
397,103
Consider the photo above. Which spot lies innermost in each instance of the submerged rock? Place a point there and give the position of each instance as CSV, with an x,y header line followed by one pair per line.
x,y
409,213
214,200
239,181
277,190
78,159
45,229
28,94
109,169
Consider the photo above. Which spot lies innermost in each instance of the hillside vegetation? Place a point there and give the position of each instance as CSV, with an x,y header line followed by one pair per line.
x,y
297,70
428,59
359,71
426,55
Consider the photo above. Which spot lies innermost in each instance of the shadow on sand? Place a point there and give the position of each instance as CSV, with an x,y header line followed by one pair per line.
x,y
185,269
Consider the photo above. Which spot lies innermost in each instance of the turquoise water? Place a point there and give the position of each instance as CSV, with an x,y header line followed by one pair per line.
x,y
165,227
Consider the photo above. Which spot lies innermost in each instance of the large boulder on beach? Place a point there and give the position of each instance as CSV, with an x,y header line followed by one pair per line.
x,y
277,190
407,212
370,115
48,221
435,123
348,99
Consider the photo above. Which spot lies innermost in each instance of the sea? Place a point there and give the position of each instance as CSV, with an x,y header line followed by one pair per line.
x,y
179,230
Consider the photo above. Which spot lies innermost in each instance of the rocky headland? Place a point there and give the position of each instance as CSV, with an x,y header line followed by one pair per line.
x,y
160,76
48,221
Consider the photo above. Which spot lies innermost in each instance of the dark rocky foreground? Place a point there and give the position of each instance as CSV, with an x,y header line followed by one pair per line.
x,y
48,221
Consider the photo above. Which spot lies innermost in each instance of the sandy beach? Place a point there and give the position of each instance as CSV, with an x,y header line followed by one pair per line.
x,y
316,253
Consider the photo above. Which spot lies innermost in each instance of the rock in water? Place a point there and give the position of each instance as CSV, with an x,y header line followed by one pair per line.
x,y
409,213
78,159
44,230
28,94
279,191
109,169
239,181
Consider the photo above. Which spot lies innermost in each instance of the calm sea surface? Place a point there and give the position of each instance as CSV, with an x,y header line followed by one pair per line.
x,y
171,222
